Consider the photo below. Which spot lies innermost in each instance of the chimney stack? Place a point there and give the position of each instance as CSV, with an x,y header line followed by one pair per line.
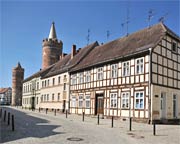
x,y
73,51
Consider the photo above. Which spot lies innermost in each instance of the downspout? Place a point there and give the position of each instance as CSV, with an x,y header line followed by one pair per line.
x,y
150,69
69,91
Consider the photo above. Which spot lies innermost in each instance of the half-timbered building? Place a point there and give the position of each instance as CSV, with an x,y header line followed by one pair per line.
x,y
134,76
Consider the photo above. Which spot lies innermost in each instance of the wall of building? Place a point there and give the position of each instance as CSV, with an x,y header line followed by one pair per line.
x,y
31,88
156,102
120,84
59,89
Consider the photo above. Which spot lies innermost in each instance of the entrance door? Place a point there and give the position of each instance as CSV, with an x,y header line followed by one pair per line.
x,y
64,106
175,105
33,103
163,106
99,108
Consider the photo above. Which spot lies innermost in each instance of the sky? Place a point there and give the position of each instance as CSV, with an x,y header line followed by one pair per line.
x,y
25,23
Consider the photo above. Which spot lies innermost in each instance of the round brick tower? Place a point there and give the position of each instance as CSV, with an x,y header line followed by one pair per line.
x,y
52,48
17,82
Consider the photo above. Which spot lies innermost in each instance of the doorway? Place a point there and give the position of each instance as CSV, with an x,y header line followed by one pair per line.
x,y
99,104
64,106
33,103
163,106
175,106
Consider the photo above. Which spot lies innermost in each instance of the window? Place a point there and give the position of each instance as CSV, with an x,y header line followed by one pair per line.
x,y
59,80
42,83
174,47
58,96
41,98
64,77
73,79
80,78
44,97
114,71
47,97
73,101
53,81
139,100
126,68
100,73
48,83
52,97
125,100
88,76
45,83
139,66
64,86
80,101
37,85
87,101
113,100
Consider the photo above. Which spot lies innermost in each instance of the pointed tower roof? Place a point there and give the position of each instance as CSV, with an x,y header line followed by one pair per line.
x,y
52,34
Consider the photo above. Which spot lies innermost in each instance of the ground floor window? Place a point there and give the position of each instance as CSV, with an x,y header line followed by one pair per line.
x,y
87,101
139,100
113,100
125,100
80,101
73,101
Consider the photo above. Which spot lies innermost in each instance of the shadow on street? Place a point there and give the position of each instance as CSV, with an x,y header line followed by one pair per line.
x,y
25,126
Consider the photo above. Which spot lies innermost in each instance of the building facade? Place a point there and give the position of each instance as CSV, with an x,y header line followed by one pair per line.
x,y
135,76
5,96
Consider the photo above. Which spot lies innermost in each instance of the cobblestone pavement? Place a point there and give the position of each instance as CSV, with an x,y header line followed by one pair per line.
x,y
37,128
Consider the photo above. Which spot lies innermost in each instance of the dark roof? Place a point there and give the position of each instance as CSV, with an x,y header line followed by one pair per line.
x,y
66,63
3,90
40,73
134,43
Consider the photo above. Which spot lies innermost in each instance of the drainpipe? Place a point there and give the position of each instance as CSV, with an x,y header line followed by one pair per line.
x,y
150,102
69,92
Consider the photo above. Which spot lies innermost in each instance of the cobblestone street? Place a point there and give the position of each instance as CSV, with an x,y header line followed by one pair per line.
x,y
36,128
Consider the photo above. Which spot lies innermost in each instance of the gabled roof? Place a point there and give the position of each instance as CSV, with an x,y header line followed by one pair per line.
x,y
39,73
134,43
66,63
3,90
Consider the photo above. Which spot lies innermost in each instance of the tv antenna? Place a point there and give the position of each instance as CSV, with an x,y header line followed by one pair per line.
x,y
107,34
88,37
162,19
126,22
150,16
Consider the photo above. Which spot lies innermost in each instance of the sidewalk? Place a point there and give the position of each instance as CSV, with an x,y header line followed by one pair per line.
x,y
48,128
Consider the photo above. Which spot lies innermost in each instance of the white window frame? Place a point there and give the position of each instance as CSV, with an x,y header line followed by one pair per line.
x,y
125,100
81,78
126,68
114,70
140,65
88,100
73,101
88,76
100,73
139,98
80,101
113,100
74,79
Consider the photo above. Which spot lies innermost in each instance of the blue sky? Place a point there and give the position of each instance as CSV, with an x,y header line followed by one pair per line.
x,y
24,24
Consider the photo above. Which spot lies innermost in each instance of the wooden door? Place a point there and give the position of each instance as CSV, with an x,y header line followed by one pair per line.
x,y
100,105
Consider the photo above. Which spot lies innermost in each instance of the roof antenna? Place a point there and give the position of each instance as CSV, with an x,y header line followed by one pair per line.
x,y
127,21
162,19
150,16
107,34
88,37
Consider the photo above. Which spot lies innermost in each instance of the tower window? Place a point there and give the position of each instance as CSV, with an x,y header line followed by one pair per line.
x,y
174,47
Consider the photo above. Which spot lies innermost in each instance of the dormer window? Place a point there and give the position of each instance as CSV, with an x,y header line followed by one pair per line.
x,y
174,47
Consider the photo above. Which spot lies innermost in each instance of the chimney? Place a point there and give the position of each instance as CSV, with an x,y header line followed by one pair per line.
x,y
73,51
